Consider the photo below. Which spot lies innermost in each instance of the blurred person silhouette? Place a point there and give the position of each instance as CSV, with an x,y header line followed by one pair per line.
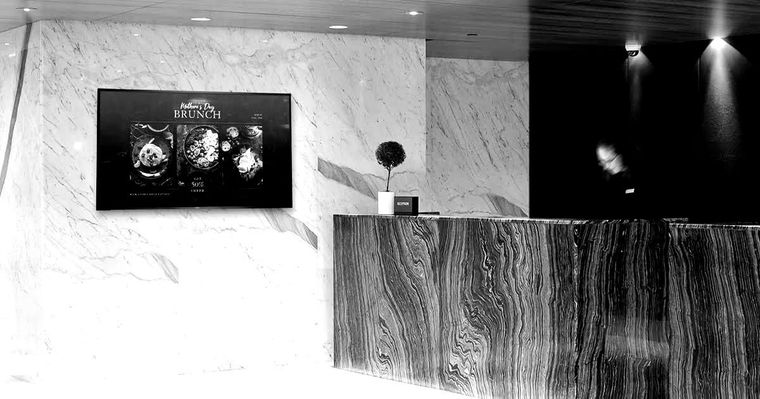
x,y
621,192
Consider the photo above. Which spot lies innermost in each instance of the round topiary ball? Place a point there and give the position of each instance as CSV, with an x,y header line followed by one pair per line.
x,y
390,154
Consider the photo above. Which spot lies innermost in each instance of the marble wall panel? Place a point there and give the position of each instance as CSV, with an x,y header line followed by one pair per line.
x,y
508,308
507,324
478,136
21,205
623,340
11,44
480,307
714,310
196,290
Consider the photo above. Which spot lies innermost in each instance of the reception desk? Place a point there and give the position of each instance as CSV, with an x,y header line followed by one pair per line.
x,y
520,308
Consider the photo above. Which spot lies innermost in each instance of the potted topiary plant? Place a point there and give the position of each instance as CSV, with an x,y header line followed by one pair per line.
x,y
390,155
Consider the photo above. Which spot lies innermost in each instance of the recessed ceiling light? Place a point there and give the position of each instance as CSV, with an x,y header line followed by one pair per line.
x,y
718,43
200,19
415,13
265,41
12,55
136,34
26,9
338,27
6,44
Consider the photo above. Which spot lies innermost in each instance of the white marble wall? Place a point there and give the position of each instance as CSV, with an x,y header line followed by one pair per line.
x,y
477,143
20,208
85,295
9,64
167,292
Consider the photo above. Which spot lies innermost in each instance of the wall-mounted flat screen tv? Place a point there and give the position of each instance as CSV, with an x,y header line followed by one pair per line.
x,y
165,149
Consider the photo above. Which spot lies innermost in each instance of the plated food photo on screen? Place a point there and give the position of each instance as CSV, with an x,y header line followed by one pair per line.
x,y
202,147
151,150
242,146
248,162
254,131
254,135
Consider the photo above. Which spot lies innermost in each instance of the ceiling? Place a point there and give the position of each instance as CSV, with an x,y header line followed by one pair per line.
x,y
505,28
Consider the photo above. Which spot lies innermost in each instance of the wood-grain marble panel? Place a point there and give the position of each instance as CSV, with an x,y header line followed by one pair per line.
x,y
715,312
387,309
623,336
478,307
500,308
507,308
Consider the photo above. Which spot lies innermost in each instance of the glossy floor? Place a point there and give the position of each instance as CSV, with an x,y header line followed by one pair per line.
x,y
267,382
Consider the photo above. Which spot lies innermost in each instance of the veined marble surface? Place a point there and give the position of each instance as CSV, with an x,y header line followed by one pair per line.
x,y
477,144
20,212
9,72
199,290
9,65
498,308
481,307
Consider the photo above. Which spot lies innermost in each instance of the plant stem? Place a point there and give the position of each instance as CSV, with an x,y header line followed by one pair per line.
x,y
388,182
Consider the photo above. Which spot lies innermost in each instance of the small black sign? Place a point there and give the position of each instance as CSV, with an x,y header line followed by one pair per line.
x,y
406,206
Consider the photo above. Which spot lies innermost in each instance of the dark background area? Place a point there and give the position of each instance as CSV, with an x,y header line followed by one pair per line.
x,y
686,117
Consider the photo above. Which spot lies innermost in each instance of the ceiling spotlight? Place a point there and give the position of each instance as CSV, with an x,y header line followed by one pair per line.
x,y
415,13
200,19
26,9
136,34
338,27
6,44
718,43
12,55
633,49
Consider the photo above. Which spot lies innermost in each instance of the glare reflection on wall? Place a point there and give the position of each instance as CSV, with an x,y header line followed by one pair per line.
x,y
636,68
720,119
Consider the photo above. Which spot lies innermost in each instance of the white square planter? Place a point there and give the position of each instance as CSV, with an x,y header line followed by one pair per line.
x,y
385,202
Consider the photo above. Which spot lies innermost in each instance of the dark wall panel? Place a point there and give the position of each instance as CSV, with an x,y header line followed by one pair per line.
x,y
684,117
